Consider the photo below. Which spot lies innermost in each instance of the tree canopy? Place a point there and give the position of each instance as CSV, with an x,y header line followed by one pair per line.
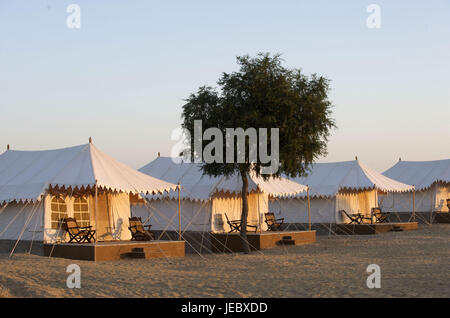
x,y
263,94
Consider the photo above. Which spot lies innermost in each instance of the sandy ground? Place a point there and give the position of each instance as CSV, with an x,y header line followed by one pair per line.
x,y
413,264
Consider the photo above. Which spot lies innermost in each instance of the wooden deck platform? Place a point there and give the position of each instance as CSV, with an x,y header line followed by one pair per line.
x,y
442,217
231,242
110,251
367,229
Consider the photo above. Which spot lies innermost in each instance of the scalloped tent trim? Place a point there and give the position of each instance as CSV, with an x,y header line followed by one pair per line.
x,y
198,187
326,180
423,174
25,176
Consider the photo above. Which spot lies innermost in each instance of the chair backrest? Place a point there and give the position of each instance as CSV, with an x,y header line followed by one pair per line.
x,y
376,211
270,218
71,225
136,224
346,214
228,220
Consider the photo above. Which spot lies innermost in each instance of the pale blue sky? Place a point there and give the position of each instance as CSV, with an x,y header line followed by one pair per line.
x,y
123,76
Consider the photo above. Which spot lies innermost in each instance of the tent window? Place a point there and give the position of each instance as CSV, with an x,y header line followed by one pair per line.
x,y
81,211
59,211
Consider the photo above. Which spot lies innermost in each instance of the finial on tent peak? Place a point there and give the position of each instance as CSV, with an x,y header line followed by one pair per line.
x,y
8,147
90,140
159,154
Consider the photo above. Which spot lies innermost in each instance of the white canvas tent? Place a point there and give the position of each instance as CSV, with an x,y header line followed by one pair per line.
x,y
431,180
206,200
39,188
348,185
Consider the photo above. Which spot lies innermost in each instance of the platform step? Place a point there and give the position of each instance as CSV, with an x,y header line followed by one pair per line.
x,y
396,229
137,253
286,242
443,217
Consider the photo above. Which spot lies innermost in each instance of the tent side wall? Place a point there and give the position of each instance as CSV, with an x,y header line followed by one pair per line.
x,y
442,194
432,199
114,216
113,211
231,205
18,217
324,210
207,216
163,215
361,202
295,210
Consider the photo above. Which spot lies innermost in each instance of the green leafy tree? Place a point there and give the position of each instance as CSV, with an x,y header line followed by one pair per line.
x,y
264,94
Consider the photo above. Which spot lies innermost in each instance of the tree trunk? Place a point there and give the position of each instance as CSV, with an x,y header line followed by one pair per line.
x,y
244,214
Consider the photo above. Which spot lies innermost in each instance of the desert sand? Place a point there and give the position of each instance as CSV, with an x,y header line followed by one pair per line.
x,y
413,264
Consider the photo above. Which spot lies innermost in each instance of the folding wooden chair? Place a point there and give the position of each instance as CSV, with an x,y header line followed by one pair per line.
x,y
79,234
235,225
273,223
140,232
380,217
354,218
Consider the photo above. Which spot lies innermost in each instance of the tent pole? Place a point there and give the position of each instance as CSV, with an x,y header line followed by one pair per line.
x,y
259,215
414,204
95,216
433,197
309,209
179,213
375,205
110,216
376,198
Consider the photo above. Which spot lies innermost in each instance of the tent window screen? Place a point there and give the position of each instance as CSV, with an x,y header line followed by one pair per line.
x,y
59,211
81,211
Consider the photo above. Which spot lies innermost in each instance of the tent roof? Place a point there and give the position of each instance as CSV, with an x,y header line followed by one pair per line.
x,y
422,174
327,179
26,175
200,187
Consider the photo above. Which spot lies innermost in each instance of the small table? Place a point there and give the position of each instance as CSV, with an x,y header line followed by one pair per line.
x,y
360,218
